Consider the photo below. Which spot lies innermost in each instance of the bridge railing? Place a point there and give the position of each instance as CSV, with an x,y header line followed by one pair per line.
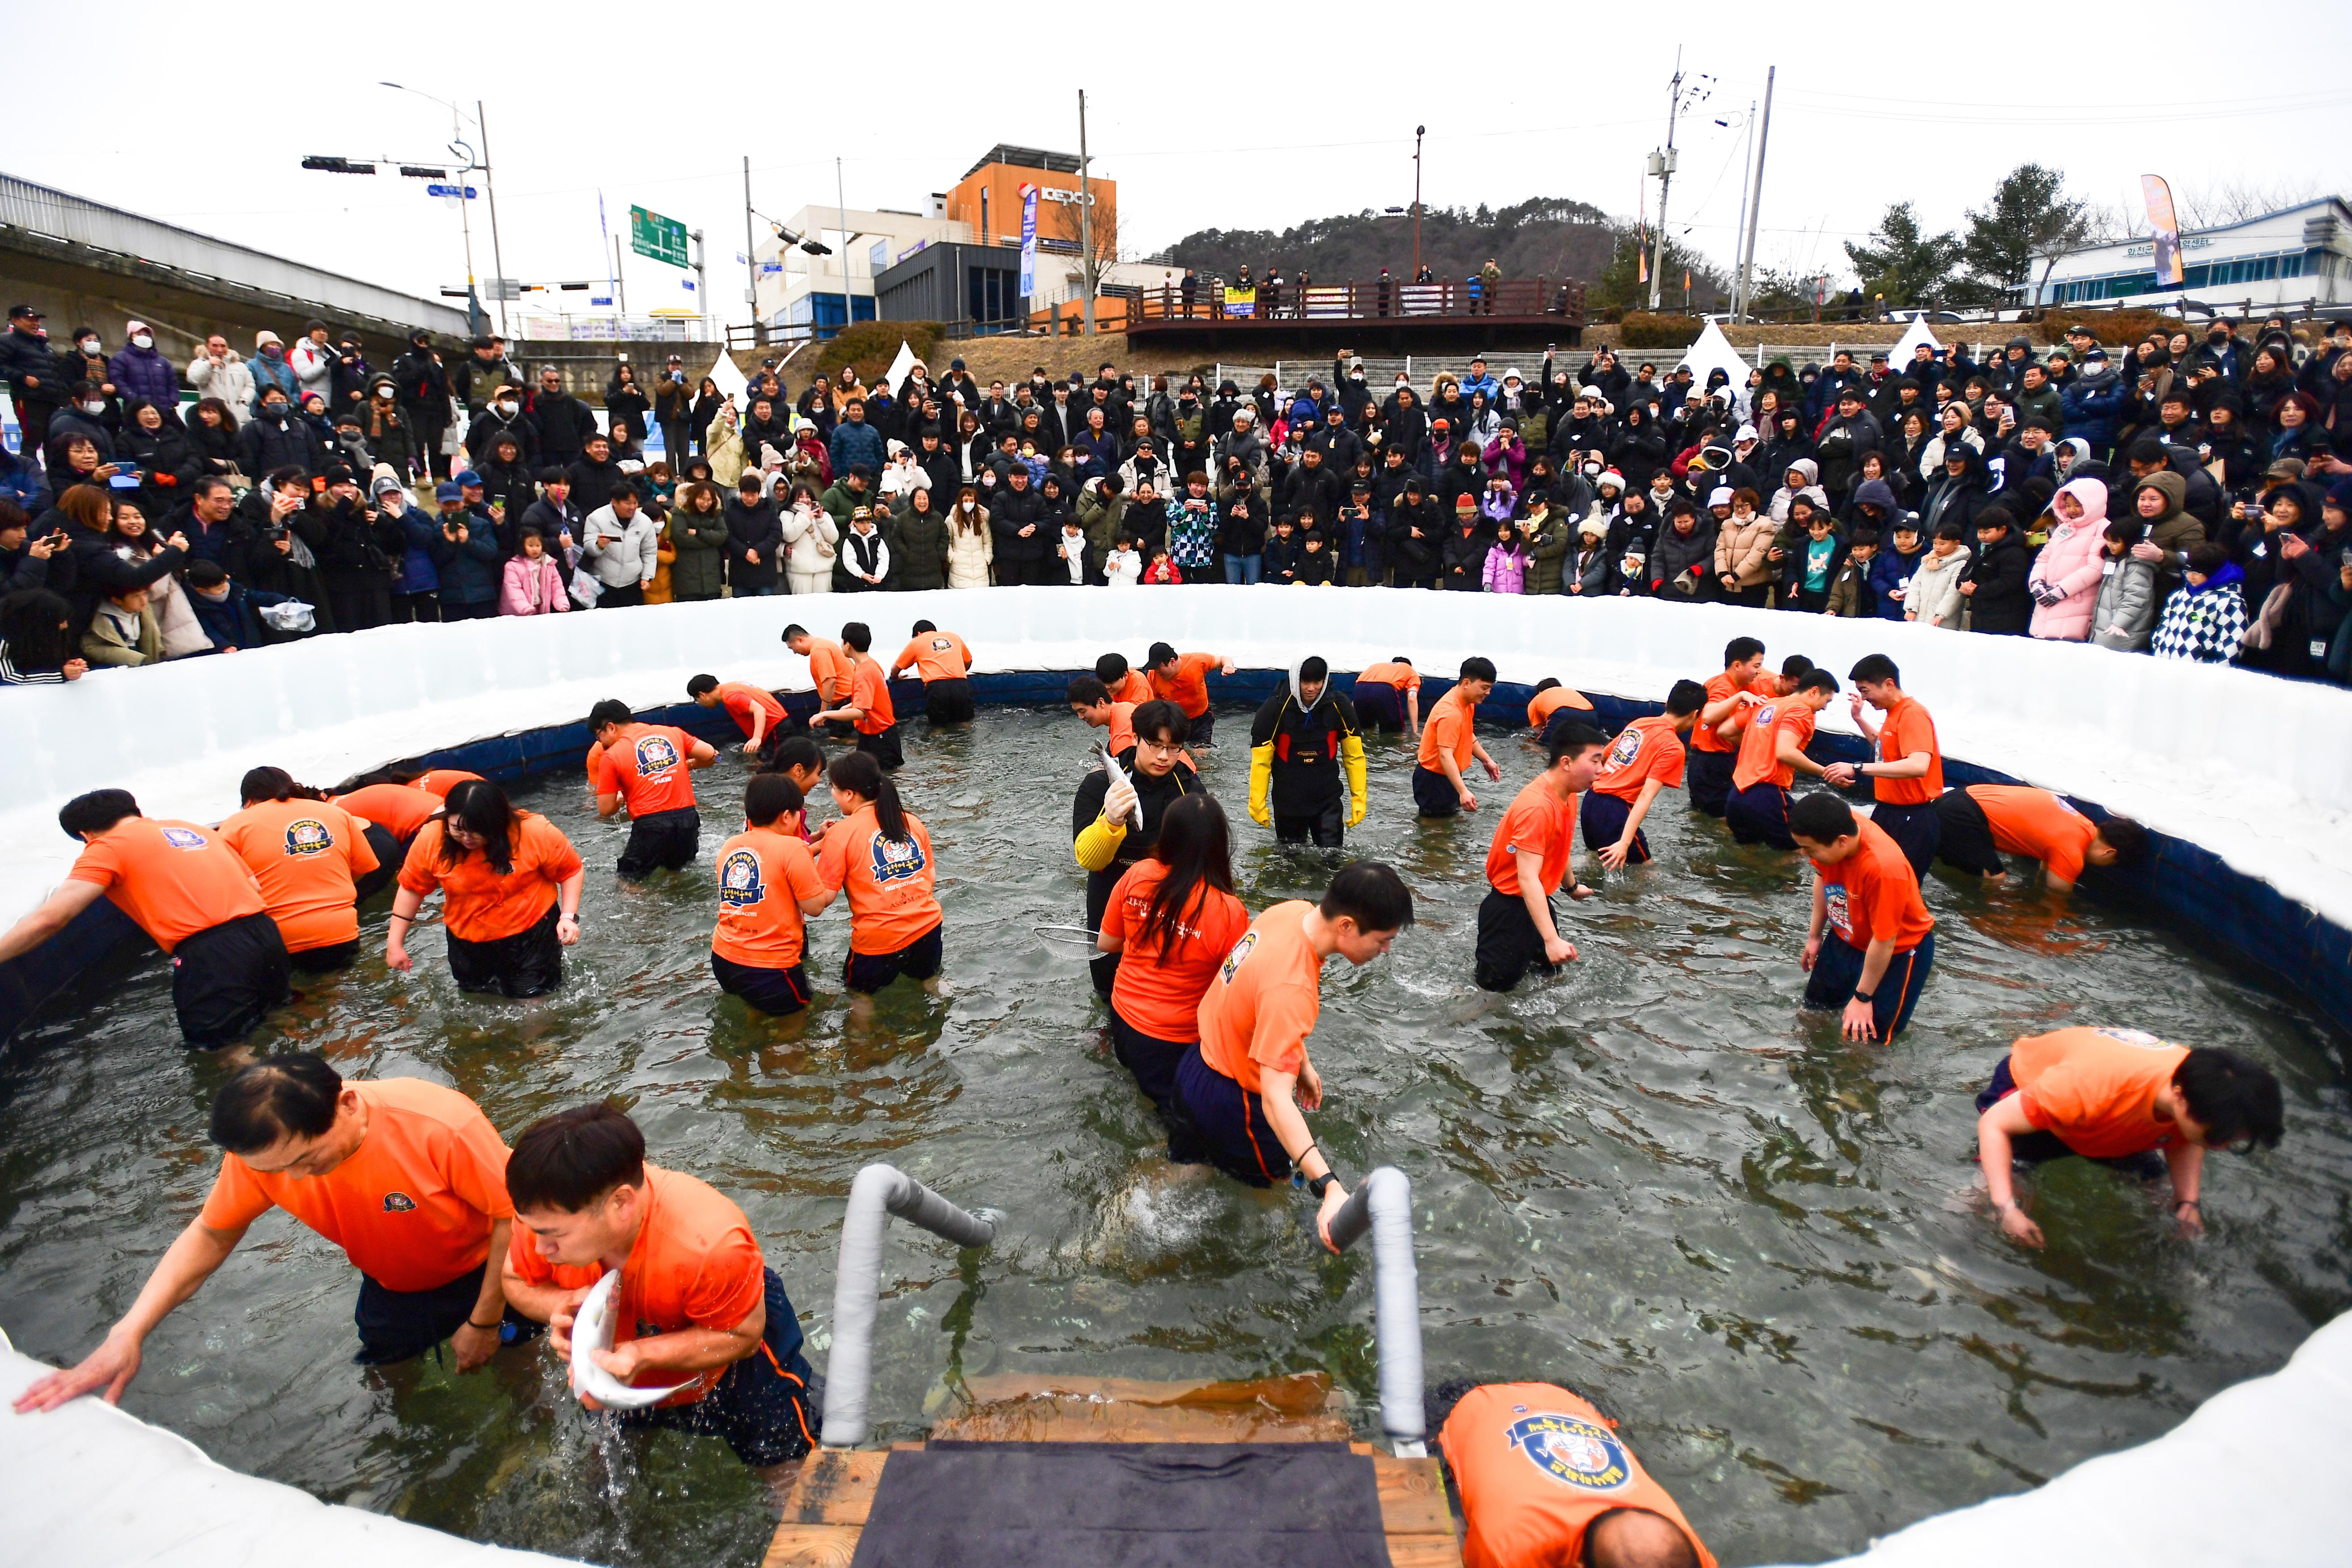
x,y
1229,303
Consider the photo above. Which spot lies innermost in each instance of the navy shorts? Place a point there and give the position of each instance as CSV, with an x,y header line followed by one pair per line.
x,y
1153,1062
1964,836
528,964
1603,817
225,977
918,960
1759,815
401,1325
776,991
1838,972
1431,795
1707,775
764,1406
2041,1146
665,841
1235,1136
947,702
1379,703
1916,830
390,853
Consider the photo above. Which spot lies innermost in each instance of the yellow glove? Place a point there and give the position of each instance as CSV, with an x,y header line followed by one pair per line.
x,y
1261,782
1351,758
1097,843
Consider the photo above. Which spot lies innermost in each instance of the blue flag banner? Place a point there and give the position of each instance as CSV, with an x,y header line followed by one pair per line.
x,y
1028,241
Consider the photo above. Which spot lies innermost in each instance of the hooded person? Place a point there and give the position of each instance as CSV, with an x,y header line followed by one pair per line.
x,y
1303,740
1963,490
2064,580
2170,531
1995,583
1809,472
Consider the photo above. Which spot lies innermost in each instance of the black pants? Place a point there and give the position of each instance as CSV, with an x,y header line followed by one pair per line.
x,y
947,702
389,855
1103,966
765,1405
1759,815
409,607
1508,943
484,610
1707,776
627,596
918,960
2040,1146
429,432
1838,971
1433,795
1916,830
1964,836
357,606
777,992
665,841
1328,827
528,964
1153,1062
1201,728
883,747
325,960
400,1325
225,977
1379,703
1603,820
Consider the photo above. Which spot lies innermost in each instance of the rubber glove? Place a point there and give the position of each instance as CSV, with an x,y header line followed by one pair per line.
x,y
1261,783
1351,758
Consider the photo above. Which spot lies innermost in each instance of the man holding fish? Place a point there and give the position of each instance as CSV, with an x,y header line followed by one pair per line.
x,y
1115,815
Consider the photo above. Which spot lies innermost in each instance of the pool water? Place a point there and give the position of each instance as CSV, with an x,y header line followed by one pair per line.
x,y
1652,1179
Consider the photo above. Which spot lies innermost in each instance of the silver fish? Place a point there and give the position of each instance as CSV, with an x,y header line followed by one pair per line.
x,y
592,1330
1119,776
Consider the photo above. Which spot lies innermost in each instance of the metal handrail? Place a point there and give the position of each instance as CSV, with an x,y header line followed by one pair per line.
x,y
879,1192
1383,1206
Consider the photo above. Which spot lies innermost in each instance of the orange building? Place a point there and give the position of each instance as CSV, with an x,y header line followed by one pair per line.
x,y
989,199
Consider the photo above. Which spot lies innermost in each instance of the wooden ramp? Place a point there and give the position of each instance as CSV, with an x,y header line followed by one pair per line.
x,y
827,1502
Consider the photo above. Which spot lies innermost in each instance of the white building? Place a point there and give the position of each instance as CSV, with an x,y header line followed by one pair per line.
x,y
2291,260
795,288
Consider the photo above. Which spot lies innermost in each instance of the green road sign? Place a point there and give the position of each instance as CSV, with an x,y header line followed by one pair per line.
x,y
664,239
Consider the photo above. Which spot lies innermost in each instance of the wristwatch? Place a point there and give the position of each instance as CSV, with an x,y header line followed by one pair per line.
x,y
1865,995
1318,1186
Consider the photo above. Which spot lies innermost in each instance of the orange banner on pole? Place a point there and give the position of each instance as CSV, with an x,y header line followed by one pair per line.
x,y
2165,223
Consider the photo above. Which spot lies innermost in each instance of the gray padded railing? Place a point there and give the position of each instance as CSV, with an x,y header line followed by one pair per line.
x,y
879,1192
1383,1206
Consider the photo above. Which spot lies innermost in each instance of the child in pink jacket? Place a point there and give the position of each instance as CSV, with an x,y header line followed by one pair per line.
x,y
1507,562
534,585
2065,581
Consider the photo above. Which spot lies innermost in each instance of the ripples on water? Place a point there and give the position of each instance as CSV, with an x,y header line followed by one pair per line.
x,y
1650,1179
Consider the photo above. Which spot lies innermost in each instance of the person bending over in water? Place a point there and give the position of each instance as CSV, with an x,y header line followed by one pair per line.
x,y
1092,701
1184,679
1388,695
509,885
867,708
753,708
1978,825
943,661
1872,941
881,853
800,759
1102,832
697,1303
1771,755
1528,860
1645,760
405,1176
308,856
1124,685
649,768
1248,1084
2121,1097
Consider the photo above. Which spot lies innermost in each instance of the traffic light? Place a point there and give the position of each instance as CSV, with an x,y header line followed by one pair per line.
x,y
418,171
340,165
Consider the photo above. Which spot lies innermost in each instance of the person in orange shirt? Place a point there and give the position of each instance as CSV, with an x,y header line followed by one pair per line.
x,y
1771,755
1872,941
944,660
800,759
767,880
755,711
1528,861
1184,681
406,1176
1173,916
390,814
648,768
1124,684
881,853
1711,756
1248,1083
439,781
696,1304
1388,695
2122,1097
1449,740
1550,701
183,886
828,668
307,854
1545,1479
1766,687
1909,767
509,885
1977,825
867,708
1091,701
1645,758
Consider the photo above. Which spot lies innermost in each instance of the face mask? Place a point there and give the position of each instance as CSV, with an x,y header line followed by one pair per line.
x,y
95,405
274,410
142,342
89,345
507,409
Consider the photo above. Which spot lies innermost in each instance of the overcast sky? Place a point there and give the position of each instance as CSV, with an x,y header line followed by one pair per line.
x,y
188,113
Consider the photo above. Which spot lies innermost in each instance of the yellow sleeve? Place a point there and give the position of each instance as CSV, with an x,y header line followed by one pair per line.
x,y
1097,843
1351,758
1261,782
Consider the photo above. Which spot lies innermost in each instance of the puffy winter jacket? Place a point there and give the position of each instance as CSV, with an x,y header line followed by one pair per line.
x,y
1743,548
918,548
145,373
2090,407
1891,572
1935,599
2125,610
533,587
2068,566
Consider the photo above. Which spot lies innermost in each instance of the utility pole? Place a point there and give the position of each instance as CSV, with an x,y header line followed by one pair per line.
x,y
1418,132
701,278
841,211
620,280
1756,199
489,180
1085,220
751,254
1742,227
1661,164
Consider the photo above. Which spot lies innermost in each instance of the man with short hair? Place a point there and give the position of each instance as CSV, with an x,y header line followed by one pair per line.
x,y
1978,825
697,1307
1115,825
406,1176
1184,679
424,389
650,769
1870,941
34,384
1388,694
1092,701
753,708
1646,758
1771,754
1712,757
867,708
1449,739
828,671
1908,769
942,661
1528,860
563,421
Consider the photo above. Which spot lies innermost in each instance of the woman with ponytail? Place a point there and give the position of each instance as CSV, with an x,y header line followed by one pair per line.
x,y
882,855
307,857
1175,916
509,885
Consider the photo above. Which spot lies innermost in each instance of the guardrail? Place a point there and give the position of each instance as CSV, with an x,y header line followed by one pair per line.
x,y
1223,303
1383,1205
879,1192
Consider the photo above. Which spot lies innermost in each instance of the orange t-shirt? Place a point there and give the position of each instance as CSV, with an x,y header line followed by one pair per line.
x,y
1403,677
412,1206
647,767
1703,736
1262,1003
478,904
1539,820
695,1265
1134,686
1159,985
308,856
399,808
441,780
1549,703
2095,1088
890,884
1645,749
173,878
1122,727
1873,893
1450,728
741,700
828,667
1906,729
2029,821
870,694
1535,1465
763,876
1188,685
936,656
1759,749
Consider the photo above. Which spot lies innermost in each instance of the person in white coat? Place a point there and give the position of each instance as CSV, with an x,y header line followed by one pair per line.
x,y
621,544
812,544
972,547
314,360
221,371
1933,598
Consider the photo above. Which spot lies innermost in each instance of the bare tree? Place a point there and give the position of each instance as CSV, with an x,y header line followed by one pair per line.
x,y
2238,198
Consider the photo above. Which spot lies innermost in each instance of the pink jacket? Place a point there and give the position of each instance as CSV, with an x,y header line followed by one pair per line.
x,y
523,596
2070,561
1507,570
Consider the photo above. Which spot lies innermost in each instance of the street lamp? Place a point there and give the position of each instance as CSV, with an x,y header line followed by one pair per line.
x,y
489,180
1418,131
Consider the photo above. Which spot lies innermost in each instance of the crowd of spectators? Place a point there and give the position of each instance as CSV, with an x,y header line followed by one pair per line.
x,y
2189,496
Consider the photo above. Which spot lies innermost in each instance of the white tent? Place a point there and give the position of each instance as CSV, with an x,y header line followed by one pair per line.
x,y
731,381
897,374
1714,352
1913,336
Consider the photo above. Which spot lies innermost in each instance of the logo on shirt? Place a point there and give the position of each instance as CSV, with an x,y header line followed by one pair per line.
x,y
740,887
1763,716
1627,746
1574,1452
398,1203
1833,904
941,645
656,755
308,837
183,838
1241,949
2136,1037
895,860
